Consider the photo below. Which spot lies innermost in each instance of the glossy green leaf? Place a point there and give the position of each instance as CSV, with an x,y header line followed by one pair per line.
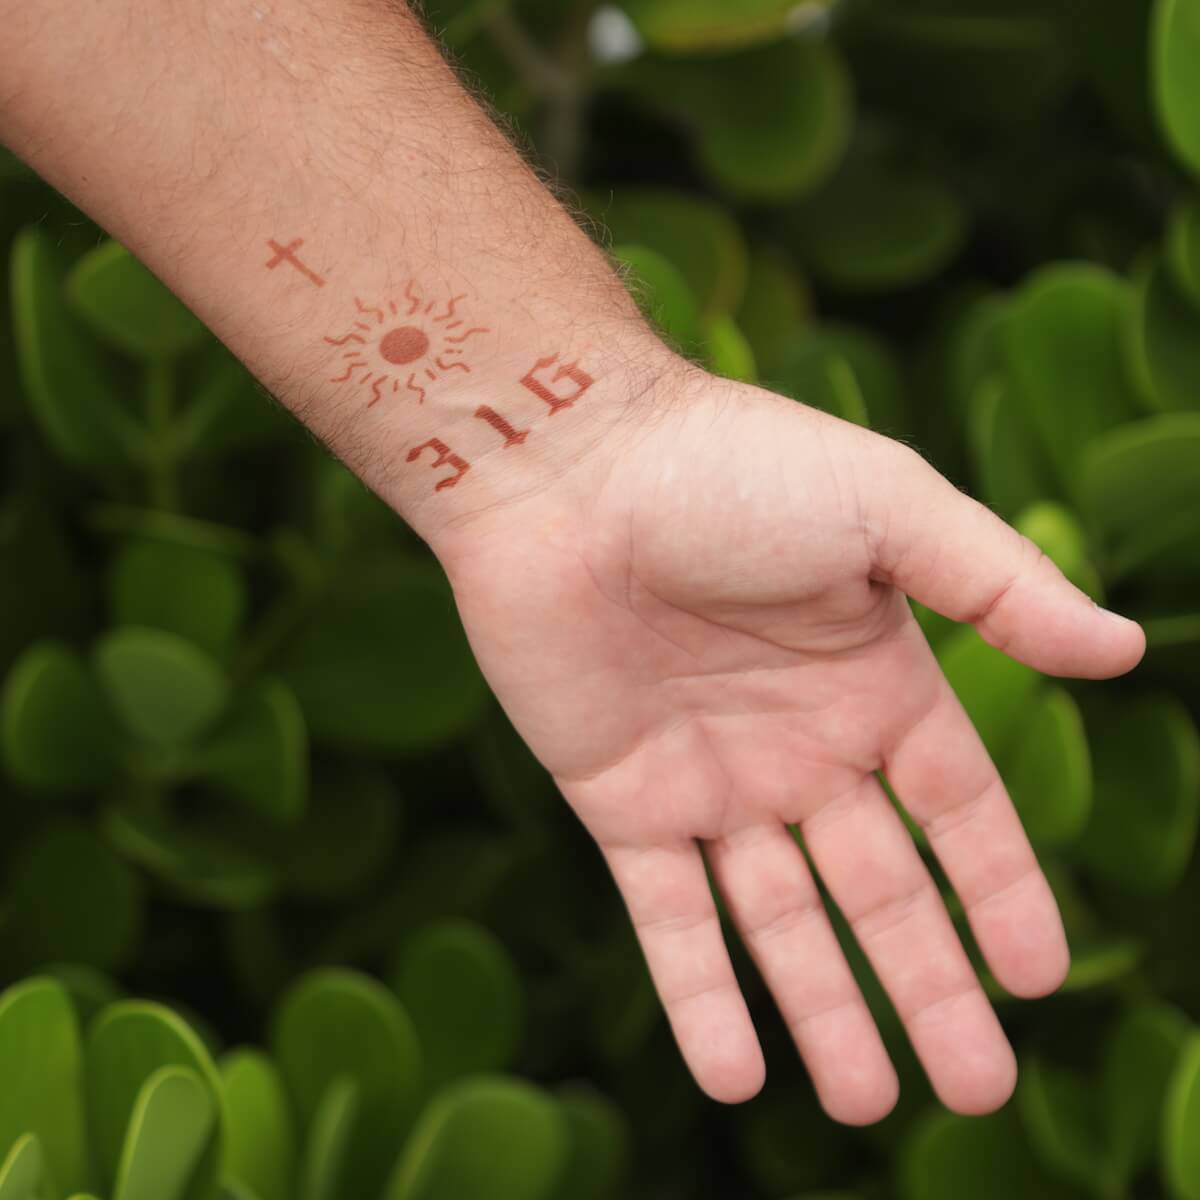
x,y
600,1146
164,689
259,753
334,1024
663,295
688,26
462,990
194,593
1140,488
700,240
1048,770
1064,351
1139,1058
1098,962
1011,470
21,1173
170,1130
261,1143
383,665
72,900
328,1147
42,1068
128,307
987,1158
57,730
775,308
69,385
771,123
484,1136
205,866
1061,1116
127,1045
995,690
1183,251
1168,341
1181,1147
1056,531
875,230
727,351
1147,765
1176,49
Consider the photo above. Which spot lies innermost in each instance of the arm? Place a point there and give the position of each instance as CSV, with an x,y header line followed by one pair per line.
x,y
688,594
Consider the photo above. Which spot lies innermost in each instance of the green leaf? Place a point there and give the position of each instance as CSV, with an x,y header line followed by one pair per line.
x,y
1058,534
1140,488
205,866
128,1044
72,900
775,308
336,1024
260,1144
699,238
1167,338
1011,469
42,1069
1147,771
346,836
771,123
1176,50
383,665
1061,1116
662,294
128,307
21,1173
462,990
727,351
486,1136
995,690
1181,1119
69,386
259,754
57,731
874,229
169,1131
165,690
689,26
326,1153
1099,961
195,593
1064,351
1183,250
600,1146
1049,771
1140,1054
987,1158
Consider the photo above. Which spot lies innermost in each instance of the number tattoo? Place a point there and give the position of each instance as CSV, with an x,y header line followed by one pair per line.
x,y
443,458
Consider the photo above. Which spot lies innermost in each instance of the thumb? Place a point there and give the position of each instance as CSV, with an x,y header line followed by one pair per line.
x,y
957,557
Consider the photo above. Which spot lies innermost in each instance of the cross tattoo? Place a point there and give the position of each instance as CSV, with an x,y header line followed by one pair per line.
x,y
288,254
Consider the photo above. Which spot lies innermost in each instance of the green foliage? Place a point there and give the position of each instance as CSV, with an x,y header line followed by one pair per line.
x,y
249,765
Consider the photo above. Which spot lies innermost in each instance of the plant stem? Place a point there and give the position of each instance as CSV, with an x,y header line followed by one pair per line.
x,y
160,395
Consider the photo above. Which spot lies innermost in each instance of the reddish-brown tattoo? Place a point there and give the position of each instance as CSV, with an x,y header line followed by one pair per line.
x,y
557,397
442,458
287,254
412,333
511,436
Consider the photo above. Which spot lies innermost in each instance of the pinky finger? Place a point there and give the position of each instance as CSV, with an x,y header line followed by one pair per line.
x,y
666,891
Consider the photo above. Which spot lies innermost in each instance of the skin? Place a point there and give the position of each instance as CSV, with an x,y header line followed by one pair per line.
x,y
688,594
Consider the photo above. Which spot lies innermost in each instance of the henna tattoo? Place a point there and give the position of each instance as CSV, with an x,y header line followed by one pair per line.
x,y
581,380
444,457
512,437
287,254
408,341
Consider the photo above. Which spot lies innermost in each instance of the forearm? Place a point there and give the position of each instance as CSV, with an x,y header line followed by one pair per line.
x,y
311,179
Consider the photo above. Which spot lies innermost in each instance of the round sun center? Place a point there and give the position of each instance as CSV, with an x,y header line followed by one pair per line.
x,y
403,345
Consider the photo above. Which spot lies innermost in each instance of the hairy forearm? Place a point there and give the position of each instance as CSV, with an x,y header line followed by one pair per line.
x,y
310,177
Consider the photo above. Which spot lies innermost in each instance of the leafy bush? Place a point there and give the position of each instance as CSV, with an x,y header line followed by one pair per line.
x,y
232,777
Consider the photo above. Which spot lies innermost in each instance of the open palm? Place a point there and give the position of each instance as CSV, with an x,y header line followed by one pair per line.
x,y
703,634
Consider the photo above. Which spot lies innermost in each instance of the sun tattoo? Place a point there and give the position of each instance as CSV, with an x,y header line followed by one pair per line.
x,y
407,345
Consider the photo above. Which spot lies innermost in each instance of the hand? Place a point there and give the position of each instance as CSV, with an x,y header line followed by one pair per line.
x,y
703,633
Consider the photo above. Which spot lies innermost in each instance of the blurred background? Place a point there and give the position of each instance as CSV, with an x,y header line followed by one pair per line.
x,y
244,740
